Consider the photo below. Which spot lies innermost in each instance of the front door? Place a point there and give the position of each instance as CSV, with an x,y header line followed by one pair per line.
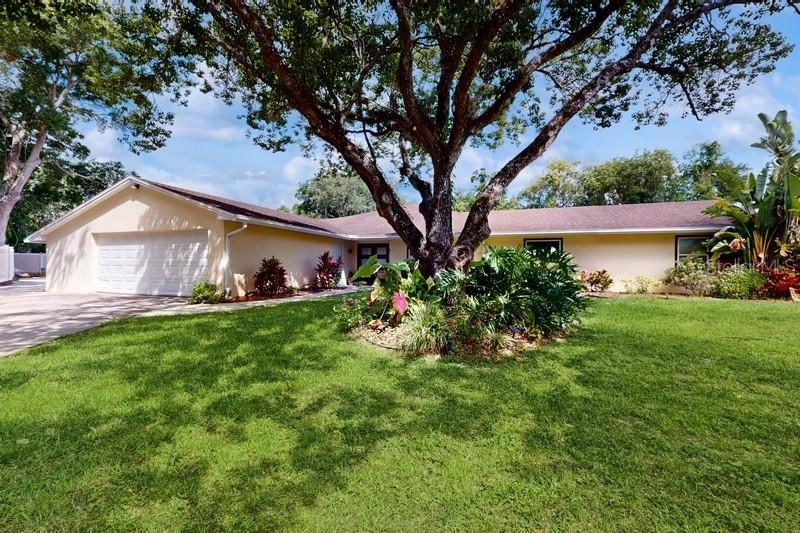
x,y
365,251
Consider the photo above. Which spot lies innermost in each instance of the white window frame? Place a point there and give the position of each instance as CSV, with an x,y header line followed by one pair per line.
x,y
679,256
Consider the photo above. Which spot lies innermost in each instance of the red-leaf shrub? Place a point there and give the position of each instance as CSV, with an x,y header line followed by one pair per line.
x,y
597,281
327,272
270,279
779,282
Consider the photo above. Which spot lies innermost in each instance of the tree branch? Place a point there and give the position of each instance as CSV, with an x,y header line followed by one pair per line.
x,y
302,99
461,116
507,95
476,227
423,126
676,75
422,186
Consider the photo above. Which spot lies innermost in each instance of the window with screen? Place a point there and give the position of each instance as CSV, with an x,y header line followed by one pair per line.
x,y
687,247
543,244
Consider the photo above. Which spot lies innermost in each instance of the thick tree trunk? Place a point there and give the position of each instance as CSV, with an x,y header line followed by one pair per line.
x,y
17,172
5,214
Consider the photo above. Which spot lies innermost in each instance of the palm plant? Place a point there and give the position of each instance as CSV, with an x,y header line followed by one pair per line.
x,y
779,142
752,209
764,210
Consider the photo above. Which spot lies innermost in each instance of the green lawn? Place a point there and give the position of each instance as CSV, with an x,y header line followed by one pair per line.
x,y
656,414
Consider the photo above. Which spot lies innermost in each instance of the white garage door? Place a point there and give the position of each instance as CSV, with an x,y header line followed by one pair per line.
x,y
166,263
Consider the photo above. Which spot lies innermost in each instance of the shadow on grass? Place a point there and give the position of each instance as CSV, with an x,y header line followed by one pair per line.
x,y
242,421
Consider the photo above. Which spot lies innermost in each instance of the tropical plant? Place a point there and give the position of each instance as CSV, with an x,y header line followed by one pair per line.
x,y
785,169
205,292
270,278
327,271
755,222
763,210
738,281
531,292
395,285
691,274
425,330
780,281
597,281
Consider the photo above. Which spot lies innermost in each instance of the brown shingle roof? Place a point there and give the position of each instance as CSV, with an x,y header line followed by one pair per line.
x,y
249,210
614,218
673,215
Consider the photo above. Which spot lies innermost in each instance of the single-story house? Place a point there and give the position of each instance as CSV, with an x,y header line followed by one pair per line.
x,y
143,237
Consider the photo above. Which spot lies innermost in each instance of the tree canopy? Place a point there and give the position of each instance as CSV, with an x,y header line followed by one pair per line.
x,y
399,88
55,188
67,63
334,191
646,177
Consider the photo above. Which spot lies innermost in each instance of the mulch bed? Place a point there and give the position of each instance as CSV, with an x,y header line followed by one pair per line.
x,y
389,338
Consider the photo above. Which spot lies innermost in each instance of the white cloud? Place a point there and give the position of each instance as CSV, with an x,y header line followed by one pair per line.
x,y
299,168
472,159
741,127
253,186
206,116
103,144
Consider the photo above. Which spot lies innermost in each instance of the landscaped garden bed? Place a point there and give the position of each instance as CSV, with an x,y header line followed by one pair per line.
x,y
270,282
510,300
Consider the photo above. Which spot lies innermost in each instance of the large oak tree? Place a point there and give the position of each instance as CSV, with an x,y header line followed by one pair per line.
x,y
402,87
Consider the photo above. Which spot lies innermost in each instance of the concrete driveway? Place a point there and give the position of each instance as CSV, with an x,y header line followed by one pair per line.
x,y
30,316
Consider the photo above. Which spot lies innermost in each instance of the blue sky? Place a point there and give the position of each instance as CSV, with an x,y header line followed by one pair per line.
x,y
210,150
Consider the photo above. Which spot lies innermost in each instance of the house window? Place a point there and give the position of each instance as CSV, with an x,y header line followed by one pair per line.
x,y
544,244
365,251
691,246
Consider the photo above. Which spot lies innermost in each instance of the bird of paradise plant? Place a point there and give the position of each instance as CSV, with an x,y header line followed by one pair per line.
x,y
764,210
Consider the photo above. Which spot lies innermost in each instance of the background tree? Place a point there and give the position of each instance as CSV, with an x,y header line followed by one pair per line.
x,y
643,178
65,63
334,191
652,176
54,188
561,185
463,200
430,78
706,171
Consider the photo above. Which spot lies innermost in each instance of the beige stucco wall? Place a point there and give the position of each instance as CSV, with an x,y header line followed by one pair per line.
x,y
297,251
623,256
72,250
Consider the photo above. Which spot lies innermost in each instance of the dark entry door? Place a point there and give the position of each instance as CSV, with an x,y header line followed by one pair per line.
x,y
365,251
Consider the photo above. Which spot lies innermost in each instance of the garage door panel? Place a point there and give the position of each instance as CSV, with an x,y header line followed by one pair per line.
x,y
151,263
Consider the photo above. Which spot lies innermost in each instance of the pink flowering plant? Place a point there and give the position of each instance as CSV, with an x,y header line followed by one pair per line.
x,y
400,303
395,287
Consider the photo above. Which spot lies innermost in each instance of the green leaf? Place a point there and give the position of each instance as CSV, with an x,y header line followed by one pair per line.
x,y
368,269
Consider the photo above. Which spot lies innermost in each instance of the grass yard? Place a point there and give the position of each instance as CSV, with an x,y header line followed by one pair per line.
x,y
656,414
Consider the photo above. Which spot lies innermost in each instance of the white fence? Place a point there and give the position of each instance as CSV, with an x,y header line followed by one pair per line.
x,y
6,264
30,263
